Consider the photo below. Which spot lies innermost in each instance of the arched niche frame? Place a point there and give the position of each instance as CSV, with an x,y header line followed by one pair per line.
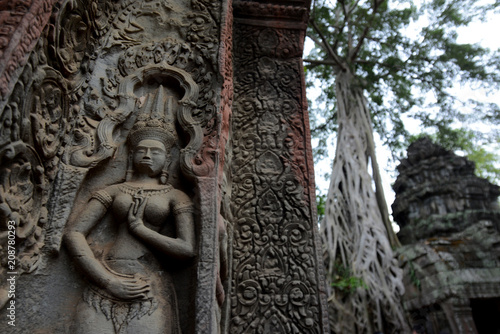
x,y
164,73
128,89
108,138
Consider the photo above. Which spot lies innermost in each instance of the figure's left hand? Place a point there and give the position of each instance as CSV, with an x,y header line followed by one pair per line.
x,y
136,213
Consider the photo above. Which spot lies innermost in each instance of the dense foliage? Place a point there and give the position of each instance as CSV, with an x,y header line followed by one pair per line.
x,y
409,64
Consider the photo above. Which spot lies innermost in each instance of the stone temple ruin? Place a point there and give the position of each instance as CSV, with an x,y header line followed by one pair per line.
x,y
156,170
450,231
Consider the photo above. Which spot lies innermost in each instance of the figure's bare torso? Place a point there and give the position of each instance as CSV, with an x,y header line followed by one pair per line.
x,y
157,213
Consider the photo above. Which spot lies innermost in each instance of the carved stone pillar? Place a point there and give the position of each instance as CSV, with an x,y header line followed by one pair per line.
x,y
276,278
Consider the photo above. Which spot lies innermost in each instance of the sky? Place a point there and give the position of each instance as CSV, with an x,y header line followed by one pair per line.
x,y
484,33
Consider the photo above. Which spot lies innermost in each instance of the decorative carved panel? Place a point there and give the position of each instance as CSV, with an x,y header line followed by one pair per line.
x,y
276,283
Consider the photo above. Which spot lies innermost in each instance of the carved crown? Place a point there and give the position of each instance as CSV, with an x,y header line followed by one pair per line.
x,y
156,120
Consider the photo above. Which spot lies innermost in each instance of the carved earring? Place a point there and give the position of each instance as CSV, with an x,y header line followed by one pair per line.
x,y
130,169
164,171
164,176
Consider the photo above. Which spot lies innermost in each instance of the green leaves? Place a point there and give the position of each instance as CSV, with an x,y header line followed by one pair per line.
x,y
407,59
344,281
321,206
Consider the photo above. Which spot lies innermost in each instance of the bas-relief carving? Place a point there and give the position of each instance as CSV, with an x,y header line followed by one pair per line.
x,y
103,50
21,24
275,287
121,40
22,199
130,289
41,106
29,149
73,103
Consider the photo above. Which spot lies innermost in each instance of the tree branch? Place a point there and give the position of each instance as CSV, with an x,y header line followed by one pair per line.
x,y
317,41
329,50
376,5
340,32
320,62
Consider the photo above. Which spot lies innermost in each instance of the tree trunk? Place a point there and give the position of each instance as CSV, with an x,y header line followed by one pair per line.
x,y
367,282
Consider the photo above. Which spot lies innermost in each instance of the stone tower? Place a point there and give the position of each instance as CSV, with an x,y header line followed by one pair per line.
x,y
450,231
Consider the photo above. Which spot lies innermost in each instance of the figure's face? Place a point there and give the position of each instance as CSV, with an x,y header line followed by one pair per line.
x,y
150,157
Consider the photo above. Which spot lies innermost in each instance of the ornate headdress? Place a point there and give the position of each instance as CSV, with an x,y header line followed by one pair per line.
x,y
156,120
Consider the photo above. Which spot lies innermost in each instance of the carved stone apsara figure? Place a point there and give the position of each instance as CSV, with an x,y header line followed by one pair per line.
x,y
129,290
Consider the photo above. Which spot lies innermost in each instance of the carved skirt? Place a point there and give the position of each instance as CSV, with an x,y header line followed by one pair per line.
x,y
99,312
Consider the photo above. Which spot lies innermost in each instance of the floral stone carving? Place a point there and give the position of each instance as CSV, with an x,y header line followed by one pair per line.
x,y
276,284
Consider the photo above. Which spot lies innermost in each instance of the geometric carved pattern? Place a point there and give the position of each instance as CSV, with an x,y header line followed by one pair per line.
x,y
275,282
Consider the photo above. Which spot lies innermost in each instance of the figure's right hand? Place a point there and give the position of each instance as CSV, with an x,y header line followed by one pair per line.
x,y
128,288
136,213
